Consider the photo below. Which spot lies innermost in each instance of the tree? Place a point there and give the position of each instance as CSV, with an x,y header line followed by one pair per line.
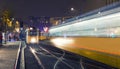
x,y
6,17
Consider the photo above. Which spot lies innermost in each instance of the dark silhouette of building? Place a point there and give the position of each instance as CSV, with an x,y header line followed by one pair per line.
x,y
111,1
39,22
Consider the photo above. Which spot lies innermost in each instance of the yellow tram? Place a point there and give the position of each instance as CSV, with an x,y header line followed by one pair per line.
x,y
43,36
32,36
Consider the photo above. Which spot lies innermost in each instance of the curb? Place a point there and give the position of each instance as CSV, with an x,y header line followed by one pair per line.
x,y
17,58
22,61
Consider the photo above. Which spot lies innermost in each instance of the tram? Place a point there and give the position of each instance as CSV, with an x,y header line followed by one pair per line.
x,y
32,36
42,36
95,35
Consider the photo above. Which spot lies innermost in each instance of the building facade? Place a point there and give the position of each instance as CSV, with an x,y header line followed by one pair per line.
x,y
43,21
111,1
59,20
40,22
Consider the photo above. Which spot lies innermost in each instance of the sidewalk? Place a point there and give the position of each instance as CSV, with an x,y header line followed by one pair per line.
x,y
8,55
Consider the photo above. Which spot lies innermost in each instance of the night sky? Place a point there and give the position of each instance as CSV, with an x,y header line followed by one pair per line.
x,y
26,8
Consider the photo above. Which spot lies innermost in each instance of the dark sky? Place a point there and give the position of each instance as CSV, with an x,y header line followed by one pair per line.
x,y
25,8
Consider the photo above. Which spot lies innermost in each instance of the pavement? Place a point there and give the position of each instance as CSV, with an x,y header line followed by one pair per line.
x,y
8,55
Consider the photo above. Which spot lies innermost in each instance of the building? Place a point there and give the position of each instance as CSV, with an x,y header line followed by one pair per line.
x,y
90,5
40,22
44,21
87,6
58,20
111,1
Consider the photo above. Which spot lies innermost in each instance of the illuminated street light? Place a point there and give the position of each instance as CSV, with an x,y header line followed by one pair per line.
x,y
74,12
13,19
72,9
31,28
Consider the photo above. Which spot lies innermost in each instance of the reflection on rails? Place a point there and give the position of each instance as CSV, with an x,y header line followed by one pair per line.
x,y
50,54
49,57
95,36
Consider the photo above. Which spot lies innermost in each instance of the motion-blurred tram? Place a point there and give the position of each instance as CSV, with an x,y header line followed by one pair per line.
x,y
95,35
43,36
32,36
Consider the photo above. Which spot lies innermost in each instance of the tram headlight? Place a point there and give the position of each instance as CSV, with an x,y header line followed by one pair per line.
x,y
33,40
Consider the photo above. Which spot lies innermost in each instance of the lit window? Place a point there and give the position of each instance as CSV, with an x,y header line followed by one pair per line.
x,y
46,21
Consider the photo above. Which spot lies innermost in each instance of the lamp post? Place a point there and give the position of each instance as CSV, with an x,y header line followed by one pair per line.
x,y
73,11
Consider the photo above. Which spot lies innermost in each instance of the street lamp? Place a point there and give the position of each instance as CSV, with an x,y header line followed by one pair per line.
x,y
72,9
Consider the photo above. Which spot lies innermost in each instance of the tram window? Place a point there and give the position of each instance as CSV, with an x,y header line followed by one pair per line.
x,y
32,33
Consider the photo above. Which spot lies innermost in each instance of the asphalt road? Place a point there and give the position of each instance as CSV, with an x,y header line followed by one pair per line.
x,y
45,56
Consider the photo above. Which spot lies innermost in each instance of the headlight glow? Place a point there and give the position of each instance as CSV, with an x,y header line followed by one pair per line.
x,y
33,40
62,41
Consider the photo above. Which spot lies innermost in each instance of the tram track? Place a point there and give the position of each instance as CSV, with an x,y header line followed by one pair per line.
x,y
37,58
59,59
48,57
